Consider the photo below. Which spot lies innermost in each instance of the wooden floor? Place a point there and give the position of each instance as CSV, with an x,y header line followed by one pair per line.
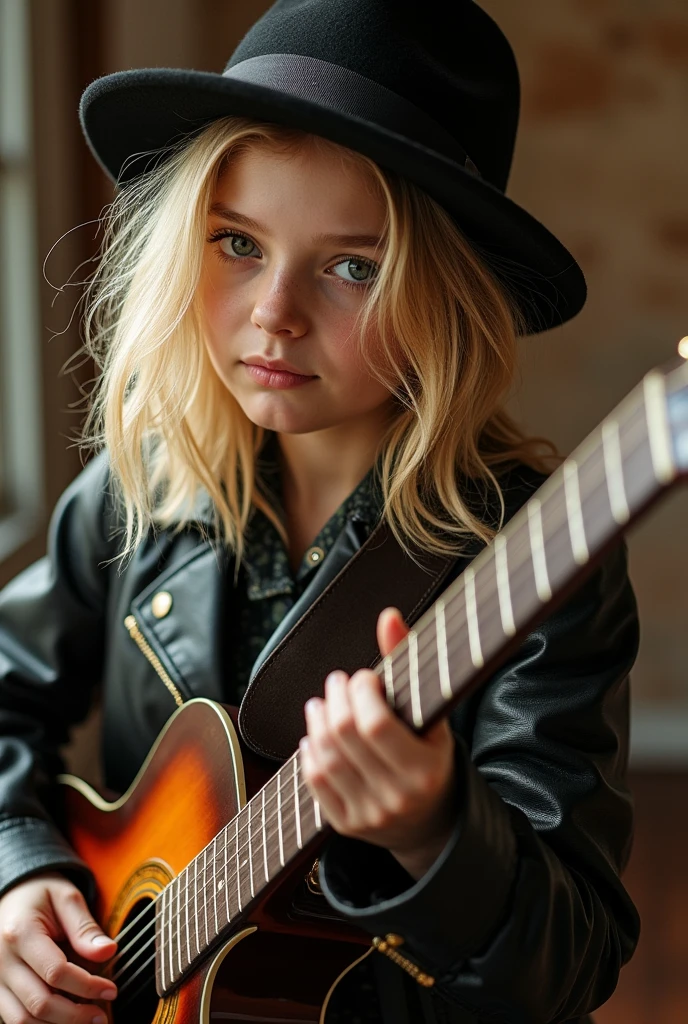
x,y
653,987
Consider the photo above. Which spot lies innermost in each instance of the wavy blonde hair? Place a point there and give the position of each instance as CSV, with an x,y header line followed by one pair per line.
x,y
171,426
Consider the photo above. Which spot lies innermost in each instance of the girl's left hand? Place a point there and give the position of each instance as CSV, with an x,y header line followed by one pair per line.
x,y
375,778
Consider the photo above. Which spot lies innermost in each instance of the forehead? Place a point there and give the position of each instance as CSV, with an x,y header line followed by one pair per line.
x,y
310,184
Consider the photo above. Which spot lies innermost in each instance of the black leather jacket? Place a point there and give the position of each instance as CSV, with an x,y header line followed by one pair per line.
x,y
522,917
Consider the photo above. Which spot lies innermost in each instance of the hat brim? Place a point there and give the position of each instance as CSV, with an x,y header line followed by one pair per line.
x,y
130,115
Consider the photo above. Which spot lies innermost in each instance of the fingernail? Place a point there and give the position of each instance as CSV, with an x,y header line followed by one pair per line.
x,y
100,940
99,1019
334,678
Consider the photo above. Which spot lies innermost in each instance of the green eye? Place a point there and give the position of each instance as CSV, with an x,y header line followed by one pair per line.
x,y
362,271
236,245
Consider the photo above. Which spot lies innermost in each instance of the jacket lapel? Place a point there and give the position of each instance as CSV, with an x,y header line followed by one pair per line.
x,y
188,638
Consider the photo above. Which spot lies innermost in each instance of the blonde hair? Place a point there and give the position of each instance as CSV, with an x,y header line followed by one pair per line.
x,y
171,426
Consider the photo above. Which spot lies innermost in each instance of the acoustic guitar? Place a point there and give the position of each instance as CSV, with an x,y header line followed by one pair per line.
x,y
206,867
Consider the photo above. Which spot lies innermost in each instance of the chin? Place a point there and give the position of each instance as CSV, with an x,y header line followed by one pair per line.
x,y
284,421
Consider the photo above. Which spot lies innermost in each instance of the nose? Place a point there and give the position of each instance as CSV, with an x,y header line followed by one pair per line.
x,y
279,305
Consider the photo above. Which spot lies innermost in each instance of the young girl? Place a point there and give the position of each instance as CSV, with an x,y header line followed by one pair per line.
x,y
306,314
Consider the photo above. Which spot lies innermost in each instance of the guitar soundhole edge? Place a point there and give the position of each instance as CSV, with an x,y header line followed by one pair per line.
x,y
134,969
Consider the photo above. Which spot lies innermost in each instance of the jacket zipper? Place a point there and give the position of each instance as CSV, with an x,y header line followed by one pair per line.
x,y
136,634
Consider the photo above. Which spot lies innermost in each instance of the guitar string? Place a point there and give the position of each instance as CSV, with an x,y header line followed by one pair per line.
x,y
126,984
285,789
289,834
519,544
204,892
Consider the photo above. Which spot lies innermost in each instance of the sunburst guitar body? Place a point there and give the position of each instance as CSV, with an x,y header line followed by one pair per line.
x,y
280,955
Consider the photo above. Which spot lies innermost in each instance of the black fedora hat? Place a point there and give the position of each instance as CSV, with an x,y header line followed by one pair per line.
x,y
432,95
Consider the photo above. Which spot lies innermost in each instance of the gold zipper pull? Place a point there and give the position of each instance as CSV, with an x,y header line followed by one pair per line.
x,y
135,633
389,946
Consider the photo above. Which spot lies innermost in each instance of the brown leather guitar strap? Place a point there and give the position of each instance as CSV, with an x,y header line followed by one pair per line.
x,y
337,630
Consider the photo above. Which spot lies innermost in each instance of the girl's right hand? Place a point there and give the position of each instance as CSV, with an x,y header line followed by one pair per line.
x,y
34,916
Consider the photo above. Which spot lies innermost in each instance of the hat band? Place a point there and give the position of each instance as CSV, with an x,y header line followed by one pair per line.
x,y
345,91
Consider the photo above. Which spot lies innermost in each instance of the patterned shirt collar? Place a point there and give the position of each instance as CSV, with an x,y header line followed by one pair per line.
x,y
266,558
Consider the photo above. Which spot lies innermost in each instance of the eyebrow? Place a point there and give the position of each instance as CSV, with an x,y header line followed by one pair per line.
x,y
364,241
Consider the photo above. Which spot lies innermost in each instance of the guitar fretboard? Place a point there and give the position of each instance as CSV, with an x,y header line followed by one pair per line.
x,y
457,643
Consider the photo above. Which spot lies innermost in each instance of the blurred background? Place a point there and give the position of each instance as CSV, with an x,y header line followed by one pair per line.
x,y
601,159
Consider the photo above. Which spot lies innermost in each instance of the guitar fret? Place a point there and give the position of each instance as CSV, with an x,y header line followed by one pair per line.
x,y
613,467
316,812
236,855
250,854
442,653
169,890
472,618
162,937
198,945
296,803
205,894
177,918
574,512
389,681
244,848
226,878
217,928
537,549
265,842
186,914
503,592
412,638
658,427
279,818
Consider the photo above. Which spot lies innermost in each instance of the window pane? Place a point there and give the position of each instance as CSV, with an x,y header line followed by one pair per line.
x,y
20,420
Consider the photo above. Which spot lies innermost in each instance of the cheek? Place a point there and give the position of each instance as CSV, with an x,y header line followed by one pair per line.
x,y
221,319
213,305
352,357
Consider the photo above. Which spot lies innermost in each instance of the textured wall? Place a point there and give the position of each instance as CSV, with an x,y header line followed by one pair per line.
x,y
602,160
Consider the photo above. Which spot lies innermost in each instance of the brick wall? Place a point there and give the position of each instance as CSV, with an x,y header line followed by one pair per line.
x,y
602,160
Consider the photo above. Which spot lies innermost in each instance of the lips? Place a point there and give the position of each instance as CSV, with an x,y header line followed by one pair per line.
x,y
276,366
267,377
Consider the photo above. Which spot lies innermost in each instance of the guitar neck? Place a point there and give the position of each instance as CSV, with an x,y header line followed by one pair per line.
x,y
537,559
532,564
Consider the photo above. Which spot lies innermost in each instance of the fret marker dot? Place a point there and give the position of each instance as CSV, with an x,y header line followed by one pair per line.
x,y
683,348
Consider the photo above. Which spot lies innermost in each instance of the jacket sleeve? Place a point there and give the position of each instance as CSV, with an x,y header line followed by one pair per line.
x,y
523,916
51,649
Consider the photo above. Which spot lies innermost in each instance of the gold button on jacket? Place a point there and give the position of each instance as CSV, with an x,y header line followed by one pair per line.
x,y
161,604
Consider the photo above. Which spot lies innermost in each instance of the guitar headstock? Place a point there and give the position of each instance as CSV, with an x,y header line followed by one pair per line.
x,y
676,381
